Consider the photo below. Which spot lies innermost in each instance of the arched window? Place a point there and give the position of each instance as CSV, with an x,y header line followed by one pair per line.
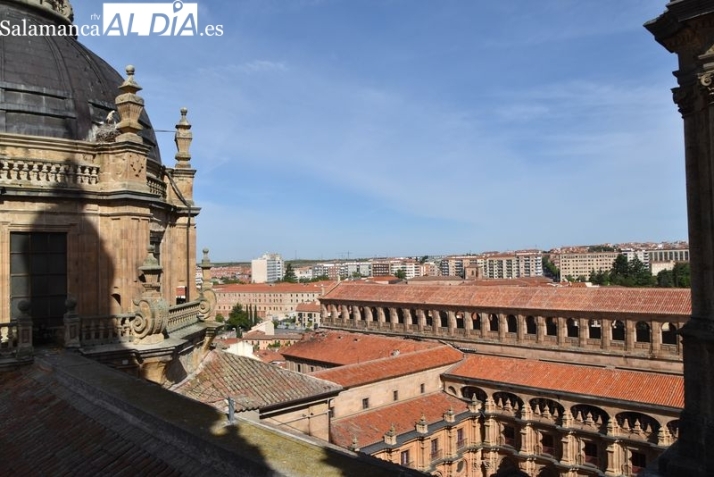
x,y
551,326
530,325
618,331
642,332
512,324
493,322
572,326
669,333
594,329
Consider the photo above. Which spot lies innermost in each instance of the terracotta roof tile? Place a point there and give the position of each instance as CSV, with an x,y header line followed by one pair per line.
x,y
390,367
339,348
316,287
251,383
662,301
370,427
634,386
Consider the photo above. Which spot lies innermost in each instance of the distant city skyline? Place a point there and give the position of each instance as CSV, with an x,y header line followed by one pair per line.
x,y
403,127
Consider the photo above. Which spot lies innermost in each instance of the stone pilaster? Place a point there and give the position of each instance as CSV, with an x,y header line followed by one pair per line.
x,y
686,28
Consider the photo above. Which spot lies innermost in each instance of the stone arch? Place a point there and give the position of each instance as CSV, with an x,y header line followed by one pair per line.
x,y
468,392
511,324
572,328
618,330
588,414
669,333
505,400
643,332
673,428
429,318
551,326
508,467
493,322
546,407
594,329
531,327
400,316
639,423
443,321
452,390
476,317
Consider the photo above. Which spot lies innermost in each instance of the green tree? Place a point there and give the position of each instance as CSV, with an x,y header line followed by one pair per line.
x,y
220,318
289,274
239,319
681,275
549,268
400,273
665,279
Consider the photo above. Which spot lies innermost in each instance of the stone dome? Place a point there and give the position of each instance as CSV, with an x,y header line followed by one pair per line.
x,y
53,86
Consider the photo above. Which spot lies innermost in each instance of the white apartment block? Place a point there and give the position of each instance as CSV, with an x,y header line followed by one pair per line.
x,y
581,264
670,255
267,269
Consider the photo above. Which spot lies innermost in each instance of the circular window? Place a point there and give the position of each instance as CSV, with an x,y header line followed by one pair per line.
x,y
460,466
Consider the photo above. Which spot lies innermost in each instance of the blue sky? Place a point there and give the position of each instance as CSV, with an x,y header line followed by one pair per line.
x,y
412,127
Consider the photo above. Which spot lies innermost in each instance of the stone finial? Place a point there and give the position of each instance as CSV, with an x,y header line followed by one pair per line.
x,y
390,438
450,415
355,445
130,105
183,138
71,324
473,405
422,426
151,271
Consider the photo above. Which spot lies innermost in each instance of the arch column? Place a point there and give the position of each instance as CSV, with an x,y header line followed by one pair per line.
x,y
540,329
485,326
344,313
393,319
502,327
408,321
629,334
520,327
421,320
356,314
323,312
606,334
436,321
655,337
468,322
562,330
451,321
368,315
583,332
381,319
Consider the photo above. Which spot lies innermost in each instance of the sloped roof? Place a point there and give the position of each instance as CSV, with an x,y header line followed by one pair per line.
x,y
661,301
339,348
634,386
391,367
251,383
370,427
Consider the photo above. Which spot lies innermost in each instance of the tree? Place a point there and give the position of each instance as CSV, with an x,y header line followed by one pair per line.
x,y
289,274
549,268
239,319
400,274
681,275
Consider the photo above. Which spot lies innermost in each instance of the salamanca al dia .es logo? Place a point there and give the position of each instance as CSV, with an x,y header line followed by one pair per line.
x,y
155,19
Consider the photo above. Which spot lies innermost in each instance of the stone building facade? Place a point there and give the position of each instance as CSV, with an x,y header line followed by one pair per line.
x,y
96,232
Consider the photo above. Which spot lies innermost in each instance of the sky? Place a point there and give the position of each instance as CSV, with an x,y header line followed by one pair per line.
x,y
362,128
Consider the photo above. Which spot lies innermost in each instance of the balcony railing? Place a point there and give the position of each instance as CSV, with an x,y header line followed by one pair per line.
x,y
99,330
183,315
437,454
47,173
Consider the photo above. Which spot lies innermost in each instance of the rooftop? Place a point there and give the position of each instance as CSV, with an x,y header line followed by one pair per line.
x,y
633,386
340,348
370,427
251,383
391,367
66,414
661,301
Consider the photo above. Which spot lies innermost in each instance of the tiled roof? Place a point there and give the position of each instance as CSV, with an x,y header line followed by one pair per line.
x,y
662,301
370,427
48,428
339,348
269,356
391,367
634,386
251,383
312,307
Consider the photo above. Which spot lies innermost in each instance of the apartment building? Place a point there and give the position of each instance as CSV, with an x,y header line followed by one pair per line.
x,y
268,268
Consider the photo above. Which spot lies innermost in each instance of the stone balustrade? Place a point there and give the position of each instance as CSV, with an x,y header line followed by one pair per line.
x,y
183,315
47,173
100,330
